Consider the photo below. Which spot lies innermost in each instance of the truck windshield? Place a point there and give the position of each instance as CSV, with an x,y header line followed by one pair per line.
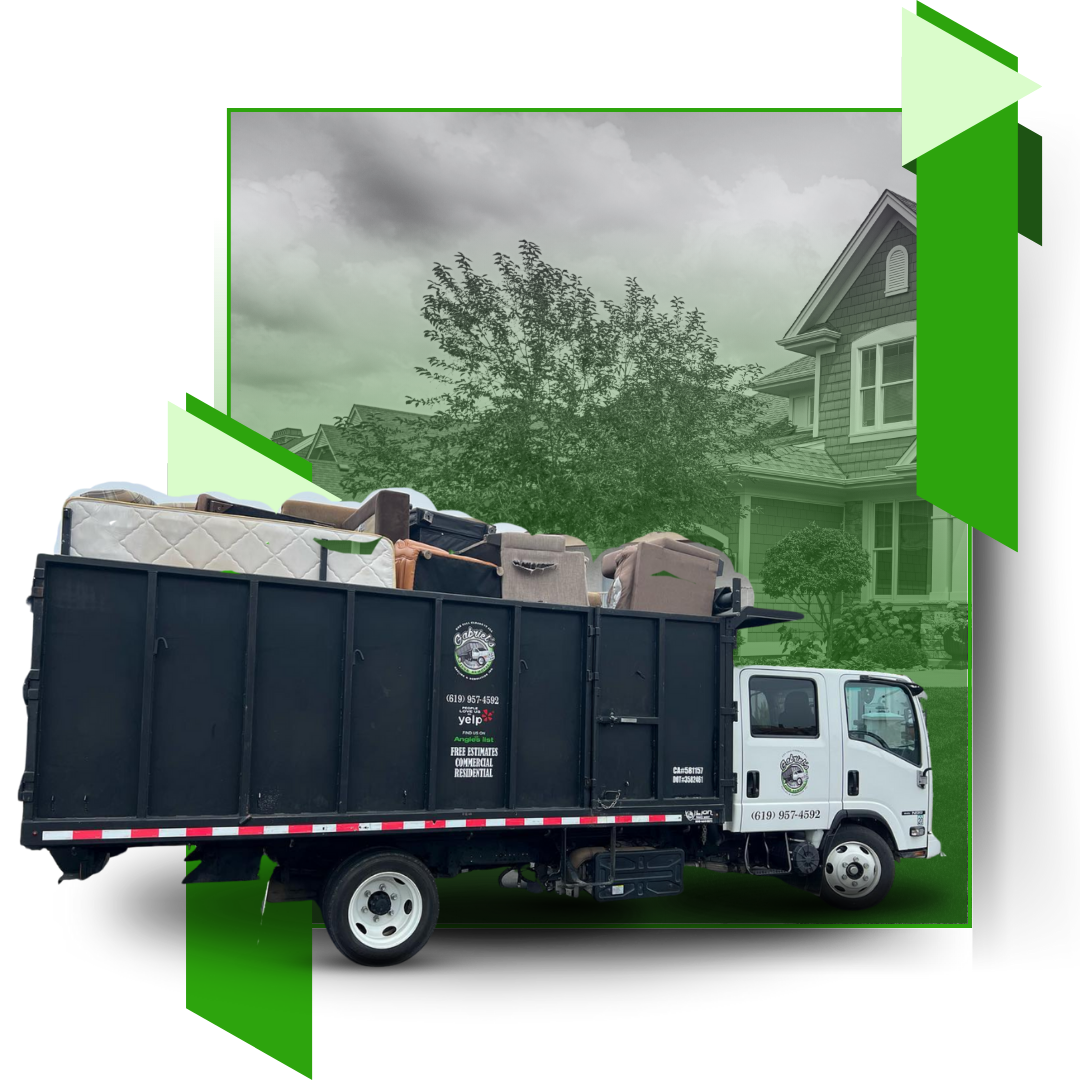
x,y
884,716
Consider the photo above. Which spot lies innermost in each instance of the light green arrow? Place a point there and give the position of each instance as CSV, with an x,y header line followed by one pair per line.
x,y
947,86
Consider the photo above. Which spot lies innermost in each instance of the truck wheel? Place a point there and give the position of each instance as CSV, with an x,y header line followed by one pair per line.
x,y
380,909
857,868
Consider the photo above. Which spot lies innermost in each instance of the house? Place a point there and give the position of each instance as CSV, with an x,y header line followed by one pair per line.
x,y
287,437
326,448
847,459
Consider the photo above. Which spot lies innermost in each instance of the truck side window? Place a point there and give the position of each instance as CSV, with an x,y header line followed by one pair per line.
x,y
883,716
783,707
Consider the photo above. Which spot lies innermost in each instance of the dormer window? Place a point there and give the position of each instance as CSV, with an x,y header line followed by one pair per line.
x,y
896,271
802,411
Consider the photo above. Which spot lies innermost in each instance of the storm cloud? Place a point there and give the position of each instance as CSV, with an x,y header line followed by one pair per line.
x,y
338,218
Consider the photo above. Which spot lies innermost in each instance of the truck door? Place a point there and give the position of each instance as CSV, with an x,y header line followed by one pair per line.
x,y
783,775
887,758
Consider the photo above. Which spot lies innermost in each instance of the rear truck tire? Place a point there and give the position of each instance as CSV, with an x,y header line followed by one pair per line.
x,y
380,909
857,868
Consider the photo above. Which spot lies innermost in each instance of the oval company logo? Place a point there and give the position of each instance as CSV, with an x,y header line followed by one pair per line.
x,y
794,773
474,649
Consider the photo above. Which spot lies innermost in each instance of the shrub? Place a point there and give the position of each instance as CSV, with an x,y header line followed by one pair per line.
x,y
858,629
802,650
953,620
890,654
812,567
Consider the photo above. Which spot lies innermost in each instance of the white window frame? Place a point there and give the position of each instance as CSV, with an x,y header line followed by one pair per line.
x,y
885,335
811,412
870,540
897,290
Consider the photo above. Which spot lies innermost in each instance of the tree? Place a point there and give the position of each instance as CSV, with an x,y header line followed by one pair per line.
x,y
564,414
812,567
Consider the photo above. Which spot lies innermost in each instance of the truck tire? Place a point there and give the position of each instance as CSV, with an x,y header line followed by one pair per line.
x,y
380,909
857,868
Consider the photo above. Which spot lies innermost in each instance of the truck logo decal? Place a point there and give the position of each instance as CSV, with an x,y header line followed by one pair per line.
x,y
474,649
794,773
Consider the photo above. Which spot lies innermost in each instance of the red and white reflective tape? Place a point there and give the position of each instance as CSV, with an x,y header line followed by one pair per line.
x,y
349,827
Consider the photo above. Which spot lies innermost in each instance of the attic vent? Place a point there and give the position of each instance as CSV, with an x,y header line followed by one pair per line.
x,y
896,271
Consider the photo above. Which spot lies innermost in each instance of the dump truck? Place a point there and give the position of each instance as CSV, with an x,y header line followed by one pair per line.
x,y
371,740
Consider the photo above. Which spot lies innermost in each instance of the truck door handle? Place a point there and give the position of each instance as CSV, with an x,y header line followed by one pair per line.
x,y
853,782
753,784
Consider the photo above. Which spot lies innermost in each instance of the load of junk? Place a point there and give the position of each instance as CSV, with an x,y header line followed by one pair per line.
x,y
393,541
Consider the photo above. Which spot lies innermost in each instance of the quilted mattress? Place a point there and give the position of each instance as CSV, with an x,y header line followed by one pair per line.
x,y
167,536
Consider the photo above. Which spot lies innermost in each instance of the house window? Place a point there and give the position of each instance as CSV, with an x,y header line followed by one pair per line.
x,y
887,385
883,367
896,271
802,411
324,453
783,707
903,547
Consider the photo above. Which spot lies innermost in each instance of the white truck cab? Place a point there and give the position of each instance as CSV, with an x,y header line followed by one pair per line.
x,y
839,761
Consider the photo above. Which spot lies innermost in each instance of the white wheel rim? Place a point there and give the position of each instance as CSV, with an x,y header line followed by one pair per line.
x,y
852,869
385,910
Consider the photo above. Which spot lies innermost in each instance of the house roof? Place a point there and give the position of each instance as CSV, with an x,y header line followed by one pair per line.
x,y
374,412
801,461
327,475
883,214
776,409
797,371
909,203
302,446
331,436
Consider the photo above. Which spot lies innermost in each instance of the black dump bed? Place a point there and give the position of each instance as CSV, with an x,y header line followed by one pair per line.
x,y
165,704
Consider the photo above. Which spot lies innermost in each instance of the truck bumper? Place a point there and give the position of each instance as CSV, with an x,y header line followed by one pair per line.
x,y
933,846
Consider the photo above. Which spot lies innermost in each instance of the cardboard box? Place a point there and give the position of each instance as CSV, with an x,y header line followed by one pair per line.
x,y
664,574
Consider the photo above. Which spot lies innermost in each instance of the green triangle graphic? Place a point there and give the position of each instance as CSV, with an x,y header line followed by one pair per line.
x,y
947,86
665,573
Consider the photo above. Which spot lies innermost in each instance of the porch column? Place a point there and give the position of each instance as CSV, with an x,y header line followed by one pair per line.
x,y
941,560
959,555
744,536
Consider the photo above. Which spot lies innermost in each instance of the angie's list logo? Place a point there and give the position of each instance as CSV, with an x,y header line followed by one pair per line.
x,y
474,649
794,773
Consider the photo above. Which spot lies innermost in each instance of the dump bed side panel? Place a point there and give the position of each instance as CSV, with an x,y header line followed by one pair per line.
x,y
231,703
93,662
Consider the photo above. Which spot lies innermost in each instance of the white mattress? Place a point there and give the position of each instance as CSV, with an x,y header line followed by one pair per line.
x,y
164,536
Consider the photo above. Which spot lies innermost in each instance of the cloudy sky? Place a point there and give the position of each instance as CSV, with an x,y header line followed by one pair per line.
x,y
337,219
